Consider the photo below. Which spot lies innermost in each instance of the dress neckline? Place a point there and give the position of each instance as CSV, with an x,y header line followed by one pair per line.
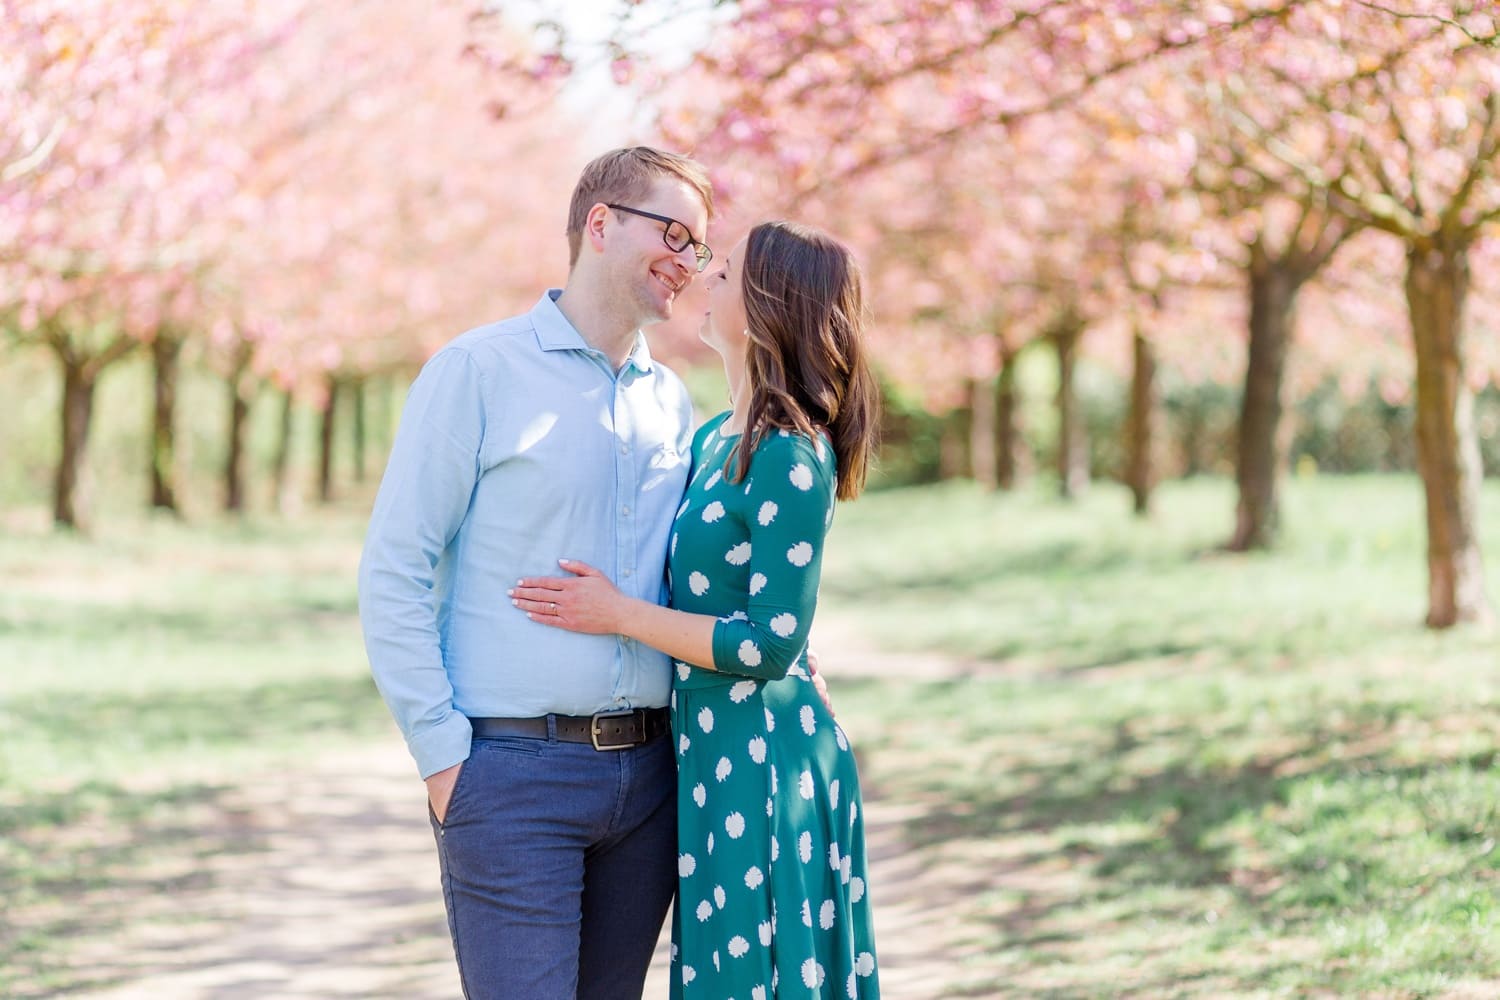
x,y
724,435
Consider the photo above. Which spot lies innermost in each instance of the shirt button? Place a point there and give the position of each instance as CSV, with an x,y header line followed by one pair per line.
x,y
624,449
627,572
625,511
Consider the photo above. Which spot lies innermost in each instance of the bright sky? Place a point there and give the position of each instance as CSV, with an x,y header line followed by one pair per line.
x,y
679,27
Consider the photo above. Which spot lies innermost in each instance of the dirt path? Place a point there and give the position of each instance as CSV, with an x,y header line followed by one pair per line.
x,y
331,891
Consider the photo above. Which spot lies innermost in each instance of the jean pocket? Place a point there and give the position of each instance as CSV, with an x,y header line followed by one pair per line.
x,y
508,745
460,784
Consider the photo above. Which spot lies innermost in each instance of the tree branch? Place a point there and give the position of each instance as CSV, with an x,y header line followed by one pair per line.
x,y
1411,161
1492,40
1062,99
1482,163
37,156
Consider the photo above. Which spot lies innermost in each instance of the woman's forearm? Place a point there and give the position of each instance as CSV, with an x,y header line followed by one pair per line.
x,y
682,635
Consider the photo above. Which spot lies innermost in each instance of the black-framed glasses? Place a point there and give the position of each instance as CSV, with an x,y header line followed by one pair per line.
x,y
676,236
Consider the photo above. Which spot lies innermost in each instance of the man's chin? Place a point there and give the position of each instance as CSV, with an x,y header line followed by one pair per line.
x,y
653,310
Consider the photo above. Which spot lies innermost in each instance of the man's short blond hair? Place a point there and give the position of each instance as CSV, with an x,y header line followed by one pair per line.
x,y
626,175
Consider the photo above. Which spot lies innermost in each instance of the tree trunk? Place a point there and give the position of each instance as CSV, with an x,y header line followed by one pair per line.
x,y
1273,298
982,444
1192,431
1437,284
70,501
1072,434
1007,424
239,412
281,468
361,437
81,371
1140,473
325,441
954,461
166,358
392,391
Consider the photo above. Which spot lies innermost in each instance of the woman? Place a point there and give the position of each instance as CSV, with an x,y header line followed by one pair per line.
x,y
771,864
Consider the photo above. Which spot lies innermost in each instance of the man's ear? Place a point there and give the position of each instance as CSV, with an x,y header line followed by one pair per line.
x,y
593,225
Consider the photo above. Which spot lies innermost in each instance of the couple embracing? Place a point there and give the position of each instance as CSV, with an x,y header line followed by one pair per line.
x,y
590,621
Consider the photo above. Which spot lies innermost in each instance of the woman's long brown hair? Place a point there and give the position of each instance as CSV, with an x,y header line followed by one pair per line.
x,y
804,303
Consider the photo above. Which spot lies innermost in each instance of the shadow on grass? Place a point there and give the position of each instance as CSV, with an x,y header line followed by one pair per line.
x,y
1081,605
71,724
1058,561
94,624
99,855
1295,835
60,846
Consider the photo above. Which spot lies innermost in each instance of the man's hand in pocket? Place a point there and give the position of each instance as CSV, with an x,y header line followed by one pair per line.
x,y
440,790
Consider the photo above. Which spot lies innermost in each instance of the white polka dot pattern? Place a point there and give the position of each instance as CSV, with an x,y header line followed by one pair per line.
x,y
762,764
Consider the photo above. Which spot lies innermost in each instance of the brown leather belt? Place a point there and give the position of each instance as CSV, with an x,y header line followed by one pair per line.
x,y
602,731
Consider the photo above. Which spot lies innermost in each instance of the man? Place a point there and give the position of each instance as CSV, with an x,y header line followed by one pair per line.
x,y
553,434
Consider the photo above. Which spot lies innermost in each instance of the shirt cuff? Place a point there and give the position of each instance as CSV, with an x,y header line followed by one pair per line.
x,y
442,746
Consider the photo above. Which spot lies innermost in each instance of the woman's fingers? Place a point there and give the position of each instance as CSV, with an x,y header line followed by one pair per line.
x,y
547,583
580,568
535,593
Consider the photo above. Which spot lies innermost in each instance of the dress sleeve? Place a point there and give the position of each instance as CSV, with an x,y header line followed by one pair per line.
x,y
789,494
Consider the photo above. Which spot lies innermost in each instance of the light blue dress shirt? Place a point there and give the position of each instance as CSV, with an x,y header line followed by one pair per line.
x,y
519,445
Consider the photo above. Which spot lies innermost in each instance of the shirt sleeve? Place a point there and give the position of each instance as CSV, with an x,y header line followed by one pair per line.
x,y
790,493
424,495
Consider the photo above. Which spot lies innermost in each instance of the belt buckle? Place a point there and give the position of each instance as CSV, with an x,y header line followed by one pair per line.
x,y
594,729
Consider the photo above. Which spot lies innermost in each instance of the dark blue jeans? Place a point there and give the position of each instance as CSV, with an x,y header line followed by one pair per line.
x,y
558,862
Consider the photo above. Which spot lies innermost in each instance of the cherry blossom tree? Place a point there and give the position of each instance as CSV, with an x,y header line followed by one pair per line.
x,y
1390,119
102,176
391,211
296,187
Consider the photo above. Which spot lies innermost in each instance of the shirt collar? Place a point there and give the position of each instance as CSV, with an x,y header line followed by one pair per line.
x,y
555,333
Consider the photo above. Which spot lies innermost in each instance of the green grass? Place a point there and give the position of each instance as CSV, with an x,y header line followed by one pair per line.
x,y
145,670
1259,774
1164,771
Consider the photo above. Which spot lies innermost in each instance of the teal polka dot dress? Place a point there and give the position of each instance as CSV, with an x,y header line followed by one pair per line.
x,y
773,901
